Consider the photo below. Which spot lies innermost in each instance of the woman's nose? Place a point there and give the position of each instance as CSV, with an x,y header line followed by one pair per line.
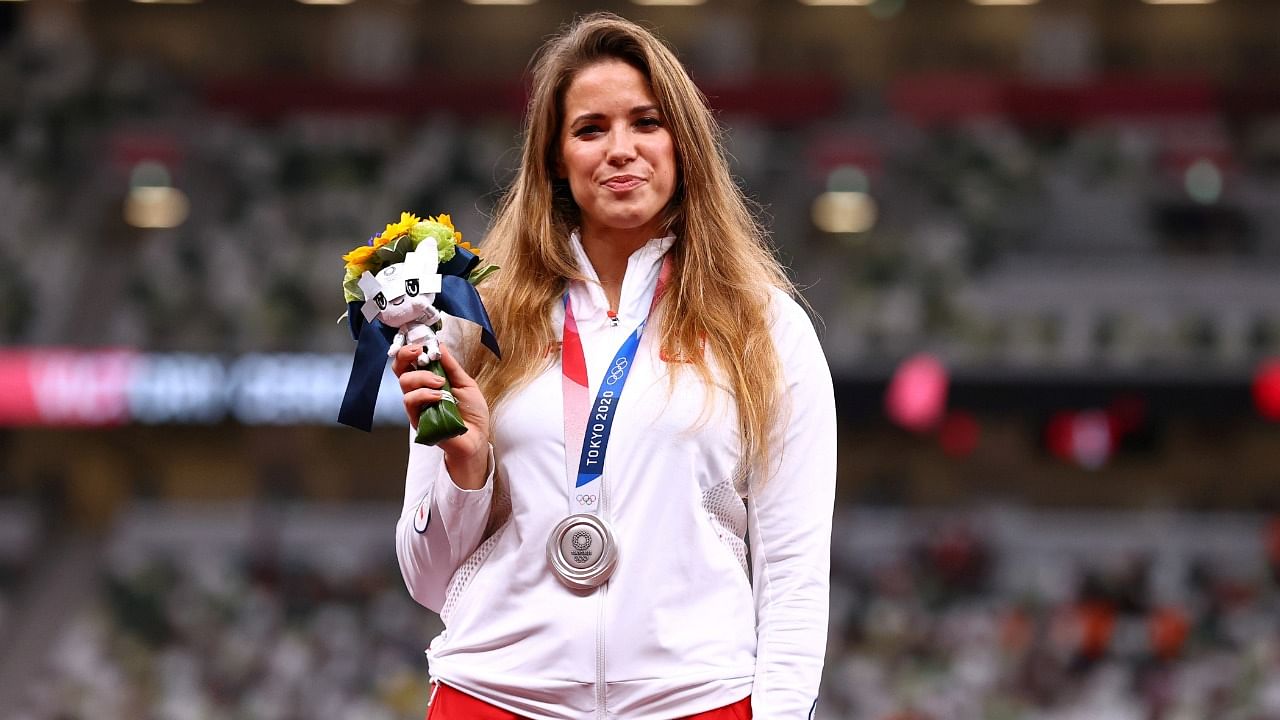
x,y
622,149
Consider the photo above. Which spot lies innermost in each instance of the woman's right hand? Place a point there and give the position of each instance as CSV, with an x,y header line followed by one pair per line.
x,y
467,455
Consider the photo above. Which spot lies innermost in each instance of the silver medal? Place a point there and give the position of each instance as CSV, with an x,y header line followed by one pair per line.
x,y
582,551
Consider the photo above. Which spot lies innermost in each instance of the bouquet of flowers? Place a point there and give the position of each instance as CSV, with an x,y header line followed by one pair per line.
x,y
396,286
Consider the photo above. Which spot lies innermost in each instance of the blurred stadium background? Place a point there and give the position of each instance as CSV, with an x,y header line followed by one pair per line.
x,y
1042,238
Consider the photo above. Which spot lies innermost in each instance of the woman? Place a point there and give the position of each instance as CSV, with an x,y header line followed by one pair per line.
x,y
586,568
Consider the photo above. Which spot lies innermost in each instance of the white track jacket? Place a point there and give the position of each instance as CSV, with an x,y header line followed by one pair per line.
x,y
684,624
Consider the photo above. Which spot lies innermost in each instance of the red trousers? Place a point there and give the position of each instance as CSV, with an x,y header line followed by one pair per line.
x,y
450,704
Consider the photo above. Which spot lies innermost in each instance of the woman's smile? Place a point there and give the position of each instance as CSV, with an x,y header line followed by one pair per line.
x,y
623,183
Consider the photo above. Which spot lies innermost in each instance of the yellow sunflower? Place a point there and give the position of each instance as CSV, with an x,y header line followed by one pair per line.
x,y
447,221
360,256
395,230
467,246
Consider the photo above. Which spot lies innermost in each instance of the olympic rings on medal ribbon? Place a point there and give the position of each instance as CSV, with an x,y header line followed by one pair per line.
x,y
619,369
586,498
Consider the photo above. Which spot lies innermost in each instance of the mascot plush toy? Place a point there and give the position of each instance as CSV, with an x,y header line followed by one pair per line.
x,y
398,287
400,296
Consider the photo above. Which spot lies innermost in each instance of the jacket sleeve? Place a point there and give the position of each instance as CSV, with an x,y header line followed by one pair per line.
x,y
441,524
789,525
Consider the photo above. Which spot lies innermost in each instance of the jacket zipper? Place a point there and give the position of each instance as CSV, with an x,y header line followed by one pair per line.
x,y
601,712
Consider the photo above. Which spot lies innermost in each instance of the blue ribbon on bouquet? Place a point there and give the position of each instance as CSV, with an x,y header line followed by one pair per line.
x,y
457,297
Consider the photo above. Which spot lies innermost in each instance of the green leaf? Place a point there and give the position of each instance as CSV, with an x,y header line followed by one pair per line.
x,y
351,289
481,272
391,253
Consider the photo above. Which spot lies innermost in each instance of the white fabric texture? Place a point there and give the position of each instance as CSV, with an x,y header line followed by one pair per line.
x,y
680,628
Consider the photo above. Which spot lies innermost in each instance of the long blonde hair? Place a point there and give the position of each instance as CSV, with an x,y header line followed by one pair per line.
x,y
722,269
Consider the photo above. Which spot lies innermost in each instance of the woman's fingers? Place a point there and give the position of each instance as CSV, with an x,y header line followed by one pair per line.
x,y
406,359
466,455
422,387
416,400
414,379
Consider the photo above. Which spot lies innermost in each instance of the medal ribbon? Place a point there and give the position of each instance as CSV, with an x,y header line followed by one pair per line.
x,y
589,425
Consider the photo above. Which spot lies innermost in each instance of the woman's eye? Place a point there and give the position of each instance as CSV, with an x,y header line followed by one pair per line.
x,y
411,287
381,300
649,122
587,130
